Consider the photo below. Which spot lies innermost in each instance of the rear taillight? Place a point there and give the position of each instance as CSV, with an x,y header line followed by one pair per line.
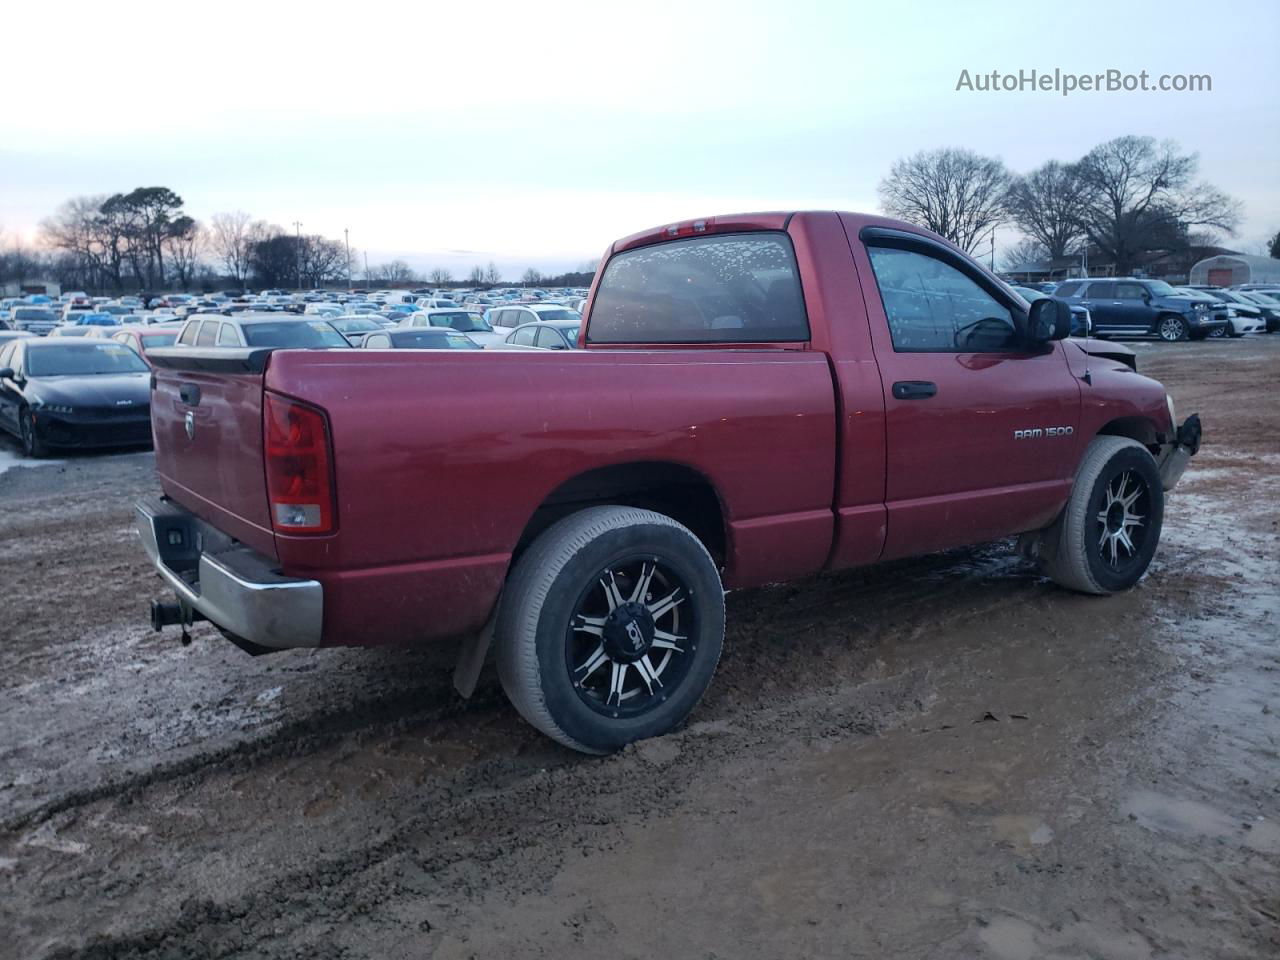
x,y
298,464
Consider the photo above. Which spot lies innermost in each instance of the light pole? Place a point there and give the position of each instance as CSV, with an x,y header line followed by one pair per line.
x,y
366,268
346,236
297,225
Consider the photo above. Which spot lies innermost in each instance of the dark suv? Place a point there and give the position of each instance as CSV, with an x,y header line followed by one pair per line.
x,y
1130,307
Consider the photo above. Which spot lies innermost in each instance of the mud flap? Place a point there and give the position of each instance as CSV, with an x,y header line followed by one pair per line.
x,y
471,656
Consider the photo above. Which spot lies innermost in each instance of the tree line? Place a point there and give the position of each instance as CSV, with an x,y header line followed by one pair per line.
x,y
144,240
1124,200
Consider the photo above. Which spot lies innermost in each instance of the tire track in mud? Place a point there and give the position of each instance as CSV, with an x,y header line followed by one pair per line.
x,y
381,715
465,824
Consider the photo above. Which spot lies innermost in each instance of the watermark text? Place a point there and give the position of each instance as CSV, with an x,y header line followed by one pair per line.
x,y
1065,83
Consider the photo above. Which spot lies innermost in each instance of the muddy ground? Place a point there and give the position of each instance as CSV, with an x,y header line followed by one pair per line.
x,y
940,758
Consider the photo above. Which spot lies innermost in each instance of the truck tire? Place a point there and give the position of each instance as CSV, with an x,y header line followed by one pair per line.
x,y
610,628
1106,535
1171,328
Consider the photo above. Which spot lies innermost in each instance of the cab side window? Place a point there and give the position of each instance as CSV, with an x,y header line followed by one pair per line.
x,y
1129,291
524,337
208,334
188,337
227,336
6,354
933,307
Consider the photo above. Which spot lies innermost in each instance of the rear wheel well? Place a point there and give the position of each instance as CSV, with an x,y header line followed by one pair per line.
x,y
679,492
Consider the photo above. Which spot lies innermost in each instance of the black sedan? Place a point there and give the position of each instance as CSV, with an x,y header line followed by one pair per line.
x,y
57,393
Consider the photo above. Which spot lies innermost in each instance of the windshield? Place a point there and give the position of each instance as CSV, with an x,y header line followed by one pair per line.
x,y
461,321
159,340
434,340
354,325
292,334
31,313
1161,289
557,315
83,360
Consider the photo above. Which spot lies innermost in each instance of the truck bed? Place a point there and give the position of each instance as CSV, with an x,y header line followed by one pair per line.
x,y
441,459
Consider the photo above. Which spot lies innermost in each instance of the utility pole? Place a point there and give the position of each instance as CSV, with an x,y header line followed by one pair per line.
x,y
346,236
297,225
366,268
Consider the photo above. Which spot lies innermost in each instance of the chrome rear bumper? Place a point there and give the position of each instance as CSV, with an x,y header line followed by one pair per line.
x,y
232,586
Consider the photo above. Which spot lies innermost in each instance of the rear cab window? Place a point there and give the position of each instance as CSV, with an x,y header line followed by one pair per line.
x,y
722,288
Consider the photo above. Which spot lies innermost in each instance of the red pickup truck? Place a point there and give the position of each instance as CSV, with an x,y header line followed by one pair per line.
x,y
757,398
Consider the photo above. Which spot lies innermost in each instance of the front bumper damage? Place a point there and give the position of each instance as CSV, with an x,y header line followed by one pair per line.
x,y
1175,456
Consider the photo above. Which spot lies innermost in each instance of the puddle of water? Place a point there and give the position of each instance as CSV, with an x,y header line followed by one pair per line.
x,y
1190,818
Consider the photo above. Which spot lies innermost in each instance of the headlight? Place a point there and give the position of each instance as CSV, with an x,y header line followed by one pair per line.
x,y
1173,417
1200,307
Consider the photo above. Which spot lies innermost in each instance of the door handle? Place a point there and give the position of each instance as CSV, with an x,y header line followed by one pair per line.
x,y
914,389
189,394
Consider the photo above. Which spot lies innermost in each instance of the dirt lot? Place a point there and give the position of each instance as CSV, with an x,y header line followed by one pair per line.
x,y
941,758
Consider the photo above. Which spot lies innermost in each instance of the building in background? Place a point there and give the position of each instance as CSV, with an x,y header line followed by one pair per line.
x,y
1230,269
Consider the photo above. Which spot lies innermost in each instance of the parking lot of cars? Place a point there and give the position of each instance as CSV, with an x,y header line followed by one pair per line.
x,y
509,317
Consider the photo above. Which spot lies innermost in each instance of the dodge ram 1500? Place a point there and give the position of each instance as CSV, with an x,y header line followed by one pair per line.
x,y
758,398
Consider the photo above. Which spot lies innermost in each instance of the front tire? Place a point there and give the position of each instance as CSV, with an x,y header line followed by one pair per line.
x,y
1105,537
610,628
1171,329
32,445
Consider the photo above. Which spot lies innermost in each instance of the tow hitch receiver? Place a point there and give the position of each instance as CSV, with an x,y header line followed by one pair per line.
x,y
174,614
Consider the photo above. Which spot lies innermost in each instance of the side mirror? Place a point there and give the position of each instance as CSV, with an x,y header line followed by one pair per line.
x,y
377,341
6,373
1050,319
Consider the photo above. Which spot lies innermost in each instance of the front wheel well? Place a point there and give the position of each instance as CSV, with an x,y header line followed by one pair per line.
x,y
1135,428
672,489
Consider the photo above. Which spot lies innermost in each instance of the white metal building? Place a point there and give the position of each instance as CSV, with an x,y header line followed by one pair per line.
x,y
1229,269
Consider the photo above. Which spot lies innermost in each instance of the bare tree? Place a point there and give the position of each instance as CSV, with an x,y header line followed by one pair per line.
x,y
90,246
1141,196
1045,204
1273,246
323,261
531,276
185,245
439,276
397,271
477,275
1025,251
954,192
231,240
491,274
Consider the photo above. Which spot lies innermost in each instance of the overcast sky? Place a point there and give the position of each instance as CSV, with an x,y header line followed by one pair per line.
x,y
535,133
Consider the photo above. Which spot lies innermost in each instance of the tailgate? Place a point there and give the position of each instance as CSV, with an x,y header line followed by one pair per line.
x,y
206,413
